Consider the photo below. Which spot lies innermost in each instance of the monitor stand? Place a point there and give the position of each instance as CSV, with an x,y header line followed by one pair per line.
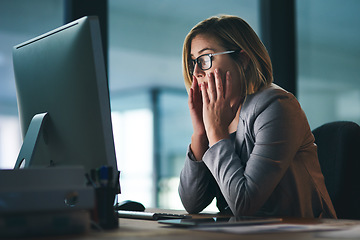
x,y
31,140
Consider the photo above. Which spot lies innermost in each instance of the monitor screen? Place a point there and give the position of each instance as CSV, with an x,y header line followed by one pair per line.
x,y
61,75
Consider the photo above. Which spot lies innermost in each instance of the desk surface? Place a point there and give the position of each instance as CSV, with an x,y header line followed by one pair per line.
x,y
147,229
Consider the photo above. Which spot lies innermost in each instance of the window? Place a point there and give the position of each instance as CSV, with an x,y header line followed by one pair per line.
x,y
21,20
132,134
328,60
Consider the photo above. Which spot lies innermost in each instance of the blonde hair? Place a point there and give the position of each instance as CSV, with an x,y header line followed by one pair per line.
x,y
233,33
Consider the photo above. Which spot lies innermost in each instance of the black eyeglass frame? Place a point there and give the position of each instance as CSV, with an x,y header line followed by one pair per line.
x,y
193,62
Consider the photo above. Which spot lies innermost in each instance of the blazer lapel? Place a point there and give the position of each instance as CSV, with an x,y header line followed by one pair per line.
x,y
240,136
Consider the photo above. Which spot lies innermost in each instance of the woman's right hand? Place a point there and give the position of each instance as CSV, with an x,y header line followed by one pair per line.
x,y
199,140
196,108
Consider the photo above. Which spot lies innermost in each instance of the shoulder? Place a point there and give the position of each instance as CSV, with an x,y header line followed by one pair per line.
x,y
272,96
274,113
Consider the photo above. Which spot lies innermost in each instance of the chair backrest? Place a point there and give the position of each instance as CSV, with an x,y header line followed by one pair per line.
x,y
339,155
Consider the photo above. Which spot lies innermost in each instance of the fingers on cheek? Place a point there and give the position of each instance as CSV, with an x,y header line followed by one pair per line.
x,y
204,92
228,76
191,95
211,77
211,83
203,88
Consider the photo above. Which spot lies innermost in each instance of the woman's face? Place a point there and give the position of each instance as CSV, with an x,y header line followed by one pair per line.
x,y
203,44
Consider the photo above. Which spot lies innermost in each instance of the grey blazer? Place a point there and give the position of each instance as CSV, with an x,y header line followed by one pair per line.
x,y
269,167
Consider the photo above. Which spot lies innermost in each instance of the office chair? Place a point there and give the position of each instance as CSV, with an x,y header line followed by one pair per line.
x,y
338,151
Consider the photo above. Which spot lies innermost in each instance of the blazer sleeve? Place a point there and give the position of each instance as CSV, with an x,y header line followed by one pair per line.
x,y
275,128
196,188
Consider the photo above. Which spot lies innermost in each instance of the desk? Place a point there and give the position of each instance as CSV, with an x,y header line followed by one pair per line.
x,y
146,229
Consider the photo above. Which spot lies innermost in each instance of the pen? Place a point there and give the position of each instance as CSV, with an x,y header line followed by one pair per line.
x,y
89,180
104,176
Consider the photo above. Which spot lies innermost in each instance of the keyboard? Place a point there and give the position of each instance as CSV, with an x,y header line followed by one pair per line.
x,y
150,215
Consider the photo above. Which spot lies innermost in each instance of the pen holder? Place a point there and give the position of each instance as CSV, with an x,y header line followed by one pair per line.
x,y
105,214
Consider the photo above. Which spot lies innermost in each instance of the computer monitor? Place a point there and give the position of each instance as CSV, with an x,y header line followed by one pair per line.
x,y
63,98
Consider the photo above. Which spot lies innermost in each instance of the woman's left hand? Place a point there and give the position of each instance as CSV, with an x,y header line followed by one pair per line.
x,y
218,112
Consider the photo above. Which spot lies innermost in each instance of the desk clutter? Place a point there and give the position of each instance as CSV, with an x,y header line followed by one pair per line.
x,y
53,201
106,188
38,202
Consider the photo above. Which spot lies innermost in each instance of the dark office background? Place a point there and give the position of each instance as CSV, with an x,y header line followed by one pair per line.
x,y
314,45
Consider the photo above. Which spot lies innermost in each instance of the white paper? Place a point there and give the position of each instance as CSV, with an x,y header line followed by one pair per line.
x,y
273,228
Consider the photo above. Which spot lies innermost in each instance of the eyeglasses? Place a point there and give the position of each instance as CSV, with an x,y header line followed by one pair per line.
x,y
204,61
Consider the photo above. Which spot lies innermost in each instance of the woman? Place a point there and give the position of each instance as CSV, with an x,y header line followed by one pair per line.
x,y
252,147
